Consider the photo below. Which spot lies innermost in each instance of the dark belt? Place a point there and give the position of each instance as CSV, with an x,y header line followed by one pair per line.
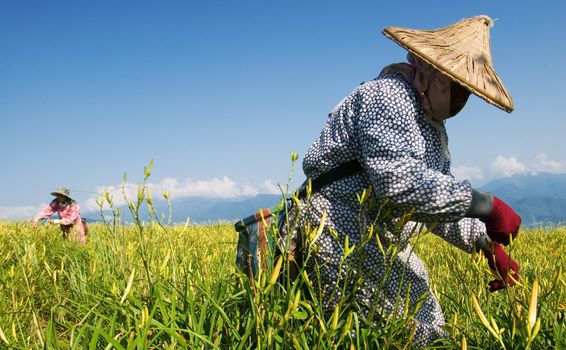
x,y
341,171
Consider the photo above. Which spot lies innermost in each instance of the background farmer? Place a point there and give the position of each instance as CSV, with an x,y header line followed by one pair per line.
x,y
394,127
68,211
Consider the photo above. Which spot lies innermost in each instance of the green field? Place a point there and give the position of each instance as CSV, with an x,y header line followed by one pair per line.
x,y
150,285
146,286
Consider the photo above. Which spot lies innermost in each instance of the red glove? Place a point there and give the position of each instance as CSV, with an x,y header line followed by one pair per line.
x,y
501,263
502,222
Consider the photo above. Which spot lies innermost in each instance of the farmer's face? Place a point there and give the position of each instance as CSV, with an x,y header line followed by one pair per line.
x,y
439,96
61,199
446,97
458,98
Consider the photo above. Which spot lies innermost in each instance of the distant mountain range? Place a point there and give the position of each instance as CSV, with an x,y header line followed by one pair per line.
x,y
201,210
538,199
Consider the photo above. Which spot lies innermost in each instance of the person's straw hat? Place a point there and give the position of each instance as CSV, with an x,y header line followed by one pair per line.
x,y
63,191
460,51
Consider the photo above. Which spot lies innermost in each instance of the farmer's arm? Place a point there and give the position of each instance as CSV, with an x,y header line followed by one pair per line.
x,y
46,212
486,215
463,234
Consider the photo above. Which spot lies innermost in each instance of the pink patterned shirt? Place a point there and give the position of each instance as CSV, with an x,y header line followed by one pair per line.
x,y
68,213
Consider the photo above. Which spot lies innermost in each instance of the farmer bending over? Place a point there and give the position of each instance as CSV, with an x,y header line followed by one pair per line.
x,y
69,215
394,127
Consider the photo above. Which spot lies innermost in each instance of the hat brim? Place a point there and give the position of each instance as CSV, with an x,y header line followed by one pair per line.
x,y
59,194
460,51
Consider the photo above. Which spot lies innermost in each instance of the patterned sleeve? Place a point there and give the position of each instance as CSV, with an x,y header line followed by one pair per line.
x,y
45,212
393,144
462,234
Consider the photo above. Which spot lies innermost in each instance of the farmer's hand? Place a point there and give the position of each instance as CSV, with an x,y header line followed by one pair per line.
x,y
502,222
499,219
34,223
501,264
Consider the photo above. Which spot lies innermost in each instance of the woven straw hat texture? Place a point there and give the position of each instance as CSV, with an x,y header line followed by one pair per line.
x,y
461,51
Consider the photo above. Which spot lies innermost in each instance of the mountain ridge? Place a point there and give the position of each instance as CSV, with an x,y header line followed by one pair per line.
x,y
537,198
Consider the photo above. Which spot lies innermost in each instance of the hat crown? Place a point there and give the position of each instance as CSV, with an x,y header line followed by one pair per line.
x,y
63,190
461,51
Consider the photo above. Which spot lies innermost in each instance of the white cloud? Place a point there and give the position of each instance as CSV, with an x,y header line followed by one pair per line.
x,y
268,186
249,191
222,188
507,166
542,162
20,213
215,188
468,172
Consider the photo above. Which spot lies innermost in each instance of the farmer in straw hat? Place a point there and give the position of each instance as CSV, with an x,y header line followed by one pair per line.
x,y
69,215
394,127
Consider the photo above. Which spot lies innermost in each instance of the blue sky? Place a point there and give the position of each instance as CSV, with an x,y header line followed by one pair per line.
x,y
218,93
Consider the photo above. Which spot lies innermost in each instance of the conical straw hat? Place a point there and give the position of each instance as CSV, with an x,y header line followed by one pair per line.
x,y
63,191
460,51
